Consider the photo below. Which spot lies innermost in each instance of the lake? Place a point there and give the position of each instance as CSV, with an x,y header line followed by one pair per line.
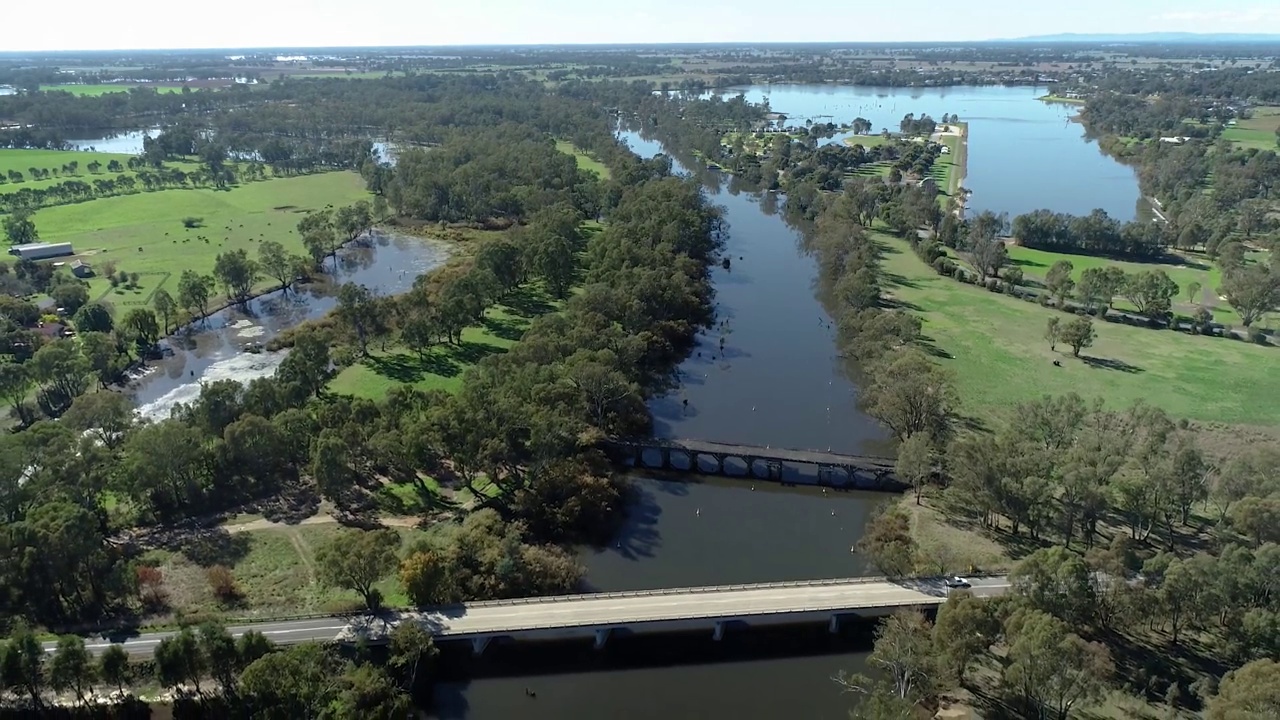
x,y
1024,154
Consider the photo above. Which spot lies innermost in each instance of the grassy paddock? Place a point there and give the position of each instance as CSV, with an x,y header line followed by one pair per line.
x,y
97,90
24,160
1246,137
275,569
143,233
994,344
585,161
442,367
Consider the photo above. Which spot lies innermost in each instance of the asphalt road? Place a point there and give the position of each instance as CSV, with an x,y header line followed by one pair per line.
x,y
602,609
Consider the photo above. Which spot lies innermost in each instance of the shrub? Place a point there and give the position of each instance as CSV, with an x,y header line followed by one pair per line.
x,y
151,589
992,284
192,222
943,266
133,278
223,584
1257,336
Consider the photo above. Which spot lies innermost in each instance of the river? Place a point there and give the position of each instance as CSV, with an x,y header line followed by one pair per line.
x,y
777,381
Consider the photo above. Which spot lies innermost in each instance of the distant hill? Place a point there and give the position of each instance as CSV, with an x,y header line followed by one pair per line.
x,y
1155,37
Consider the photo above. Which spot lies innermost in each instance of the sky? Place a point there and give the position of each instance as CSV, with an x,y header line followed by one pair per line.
x,y
138,24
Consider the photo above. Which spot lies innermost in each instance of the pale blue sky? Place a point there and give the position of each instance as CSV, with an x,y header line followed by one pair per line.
x,y
85,24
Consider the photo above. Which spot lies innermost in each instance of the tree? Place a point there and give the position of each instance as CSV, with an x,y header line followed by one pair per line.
x,y
113,667
22,664
359,309
906,656
237,272
94,317
1079,334
911,395
306,365
366,692
1051,669
298,682
166,307
1053,333
411,646
15,385
915,462
887,543
1057,581
966,627
179,660
1193,292
141,322
71,667
107,415
425,577
251,646
276,262
1013,277
194,290
357,559
1252,292
1251,692
986,249
70,296
19,228
220,654
1151,292
1058,281
1098,285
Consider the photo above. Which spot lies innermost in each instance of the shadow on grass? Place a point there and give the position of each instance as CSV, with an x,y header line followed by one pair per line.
x,y
1111,364
444,361
507,329
1020,262
215,546
527,303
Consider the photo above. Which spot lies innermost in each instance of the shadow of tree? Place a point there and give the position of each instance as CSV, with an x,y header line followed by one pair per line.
x,y
527,303
1110,364
214,546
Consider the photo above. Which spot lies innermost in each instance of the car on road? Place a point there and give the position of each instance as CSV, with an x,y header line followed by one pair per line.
x,y
955,581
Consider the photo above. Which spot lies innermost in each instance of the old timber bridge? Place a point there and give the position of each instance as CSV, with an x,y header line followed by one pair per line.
x,y
765,463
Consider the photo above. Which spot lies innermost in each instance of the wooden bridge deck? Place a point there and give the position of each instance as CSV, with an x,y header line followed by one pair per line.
x,y
809,457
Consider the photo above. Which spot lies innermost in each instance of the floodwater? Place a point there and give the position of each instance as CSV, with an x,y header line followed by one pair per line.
x,y
1024,154
386,263
127,142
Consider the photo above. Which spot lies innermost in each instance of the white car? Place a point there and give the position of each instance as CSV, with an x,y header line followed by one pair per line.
x,y
955,581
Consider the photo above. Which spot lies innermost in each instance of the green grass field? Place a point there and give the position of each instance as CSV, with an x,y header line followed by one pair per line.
x,y
275,570
1249,138
585,161
1059,99
23,160
994,344
144,233
97,90
443,366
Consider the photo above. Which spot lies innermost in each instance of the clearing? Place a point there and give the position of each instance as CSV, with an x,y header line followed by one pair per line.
x,y
994,344
96,90
442,366
585,161
144,233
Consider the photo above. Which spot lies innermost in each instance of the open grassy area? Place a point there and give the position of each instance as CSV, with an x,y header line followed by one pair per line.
x,y
1250,138
442,367
23,160
97,90
275,570
585,161
994,344
1185,269
144,233
1059,99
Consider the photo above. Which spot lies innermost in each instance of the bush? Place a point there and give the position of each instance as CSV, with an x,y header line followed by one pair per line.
x,y
992,284
151,587
192,222
223,584
1257,336
133,278
944,266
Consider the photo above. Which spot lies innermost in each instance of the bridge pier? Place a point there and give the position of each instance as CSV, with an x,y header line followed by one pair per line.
x,y
718,633
833,626
773,470
479,644
602,637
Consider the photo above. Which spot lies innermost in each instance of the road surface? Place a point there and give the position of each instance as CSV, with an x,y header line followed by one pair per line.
x,y
598,610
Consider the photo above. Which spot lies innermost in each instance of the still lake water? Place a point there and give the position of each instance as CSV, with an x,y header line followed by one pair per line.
x,y
1024,154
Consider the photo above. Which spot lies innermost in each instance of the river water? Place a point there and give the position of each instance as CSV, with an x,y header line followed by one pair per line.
x,y
777,381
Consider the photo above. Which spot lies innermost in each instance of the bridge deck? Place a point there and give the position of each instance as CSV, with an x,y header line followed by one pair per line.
x,y
812,457
603,610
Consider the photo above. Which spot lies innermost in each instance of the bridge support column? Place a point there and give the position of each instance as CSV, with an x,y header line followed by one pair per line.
x,y
833,626
602,637
774,470
666,458
719,464
479,644
718,633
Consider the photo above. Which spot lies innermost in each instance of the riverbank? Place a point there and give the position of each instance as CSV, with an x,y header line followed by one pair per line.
x,y
1051,98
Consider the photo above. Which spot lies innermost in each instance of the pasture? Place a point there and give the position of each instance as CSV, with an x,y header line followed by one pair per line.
x,y
994,345
144,233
